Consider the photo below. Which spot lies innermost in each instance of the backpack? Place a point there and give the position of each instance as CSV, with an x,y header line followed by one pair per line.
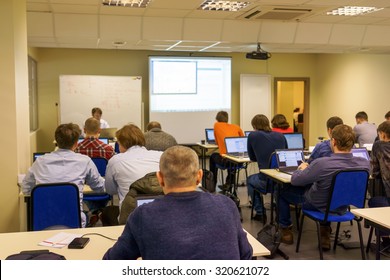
x,y
208,181
270,237
36,255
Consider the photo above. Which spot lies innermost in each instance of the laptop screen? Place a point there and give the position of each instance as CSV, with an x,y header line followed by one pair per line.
x,y
360,152
104,140
145,199
288,158
236,145
210,138
36,155
294,140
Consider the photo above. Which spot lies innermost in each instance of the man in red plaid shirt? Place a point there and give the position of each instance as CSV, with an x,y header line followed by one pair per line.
x,y
91,145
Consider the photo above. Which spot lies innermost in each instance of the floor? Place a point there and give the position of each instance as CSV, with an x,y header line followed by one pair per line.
x,y
308,248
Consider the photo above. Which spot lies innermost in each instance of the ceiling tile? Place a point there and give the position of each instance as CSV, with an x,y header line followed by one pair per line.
x,y
119,28
155,28
72,25
313,33
40,24
343,34
242,31
195,29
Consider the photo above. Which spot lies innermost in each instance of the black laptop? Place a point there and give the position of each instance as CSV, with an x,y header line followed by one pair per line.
x,y
143,199
237,146
210,138
289,159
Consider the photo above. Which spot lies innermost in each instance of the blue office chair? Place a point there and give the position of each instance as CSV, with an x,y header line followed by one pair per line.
x,y
101,198
55,205
348,188
116,148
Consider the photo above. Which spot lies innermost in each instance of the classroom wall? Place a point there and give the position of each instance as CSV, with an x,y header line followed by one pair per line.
x,y
13,109
54,62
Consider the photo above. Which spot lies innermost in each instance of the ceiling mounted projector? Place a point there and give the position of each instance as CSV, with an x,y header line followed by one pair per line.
x,y
259,54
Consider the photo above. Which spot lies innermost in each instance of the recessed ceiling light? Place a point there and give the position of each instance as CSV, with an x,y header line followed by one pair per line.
x,y
216,5
126,3
353,11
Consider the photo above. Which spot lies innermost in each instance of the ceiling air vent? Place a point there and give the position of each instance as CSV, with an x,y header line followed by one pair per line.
x,y
274,13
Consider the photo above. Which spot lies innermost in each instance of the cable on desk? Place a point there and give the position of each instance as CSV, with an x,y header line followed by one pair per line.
x,y
93,233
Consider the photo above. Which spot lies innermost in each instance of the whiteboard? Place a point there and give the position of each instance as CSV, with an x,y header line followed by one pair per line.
x,y
119,97
255,98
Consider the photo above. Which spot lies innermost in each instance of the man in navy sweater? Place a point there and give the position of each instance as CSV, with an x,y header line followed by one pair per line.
x,y
184,223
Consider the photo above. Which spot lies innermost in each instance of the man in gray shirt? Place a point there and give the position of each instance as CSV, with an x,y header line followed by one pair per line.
x,y
310,184
365,132
156,139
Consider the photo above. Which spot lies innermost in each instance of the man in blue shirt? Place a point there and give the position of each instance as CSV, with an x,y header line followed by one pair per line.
x,y
183,224
64,165
310,184
323,148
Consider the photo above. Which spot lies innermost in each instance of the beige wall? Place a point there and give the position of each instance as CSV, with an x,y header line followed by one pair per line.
x,y
13,109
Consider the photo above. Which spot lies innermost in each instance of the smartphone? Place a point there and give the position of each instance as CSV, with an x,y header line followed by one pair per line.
x,y
78,243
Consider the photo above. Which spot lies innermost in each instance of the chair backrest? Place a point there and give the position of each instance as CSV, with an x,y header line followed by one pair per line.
x,y
101,164
56,204
348,187
273,162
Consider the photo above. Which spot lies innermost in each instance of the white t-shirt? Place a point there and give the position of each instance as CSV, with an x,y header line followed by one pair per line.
x,y
104,124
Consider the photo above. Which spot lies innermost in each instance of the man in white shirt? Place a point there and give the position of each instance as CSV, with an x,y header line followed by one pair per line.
x,y
97,114
133,162
365,132
64,165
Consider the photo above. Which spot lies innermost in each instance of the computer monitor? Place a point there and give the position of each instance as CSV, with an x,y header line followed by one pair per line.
x,y
210,138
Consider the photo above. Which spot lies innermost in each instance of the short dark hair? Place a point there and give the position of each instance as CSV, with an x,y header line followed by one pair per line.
x,y
222,116
97,110
280,121
361,115
130,135
385,128
387,116
333,121
67,135
344,136
152,125
261,122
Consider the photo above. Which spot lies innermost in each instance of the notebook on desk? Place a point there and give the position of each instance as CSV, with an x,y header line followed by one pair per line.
x,y
236,146
210,138
289,159
294,140
360,152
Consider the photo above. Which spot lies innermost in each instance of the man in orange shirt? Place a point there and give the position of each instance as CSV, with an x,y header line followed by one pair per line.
x,y
223,129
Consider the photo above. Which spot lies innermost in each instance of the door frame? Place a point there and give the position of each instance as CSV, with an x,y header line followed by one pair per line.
x,y
306,100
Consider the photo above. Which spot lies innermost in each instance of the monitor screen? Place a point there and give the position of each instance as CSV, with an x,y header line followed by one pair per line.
x,y
294,140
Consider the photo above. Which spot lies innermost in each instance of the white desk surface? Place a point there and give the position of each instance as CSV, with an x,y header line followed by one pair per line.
x,y
274,173
208,145
237,159
379,215
12,243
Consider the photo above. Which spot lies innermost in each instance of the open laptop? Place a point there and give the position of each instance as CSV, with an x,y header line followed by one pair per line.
x,y
237,146
210,138
289,159
143,199
108,133
360,152
104,140
38,154
294,140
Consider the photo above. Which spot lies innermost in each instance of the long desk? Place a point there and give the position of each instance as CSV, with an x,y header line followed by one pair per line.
x,y
378,218
12,243
204,149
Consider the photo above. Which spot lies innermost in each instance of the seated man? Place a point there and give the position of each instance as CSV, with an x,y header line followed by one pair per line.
x,y
156,139
91,145
323,148
133,162
310,184
365,132
184,223
223,129
64,165
262,142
